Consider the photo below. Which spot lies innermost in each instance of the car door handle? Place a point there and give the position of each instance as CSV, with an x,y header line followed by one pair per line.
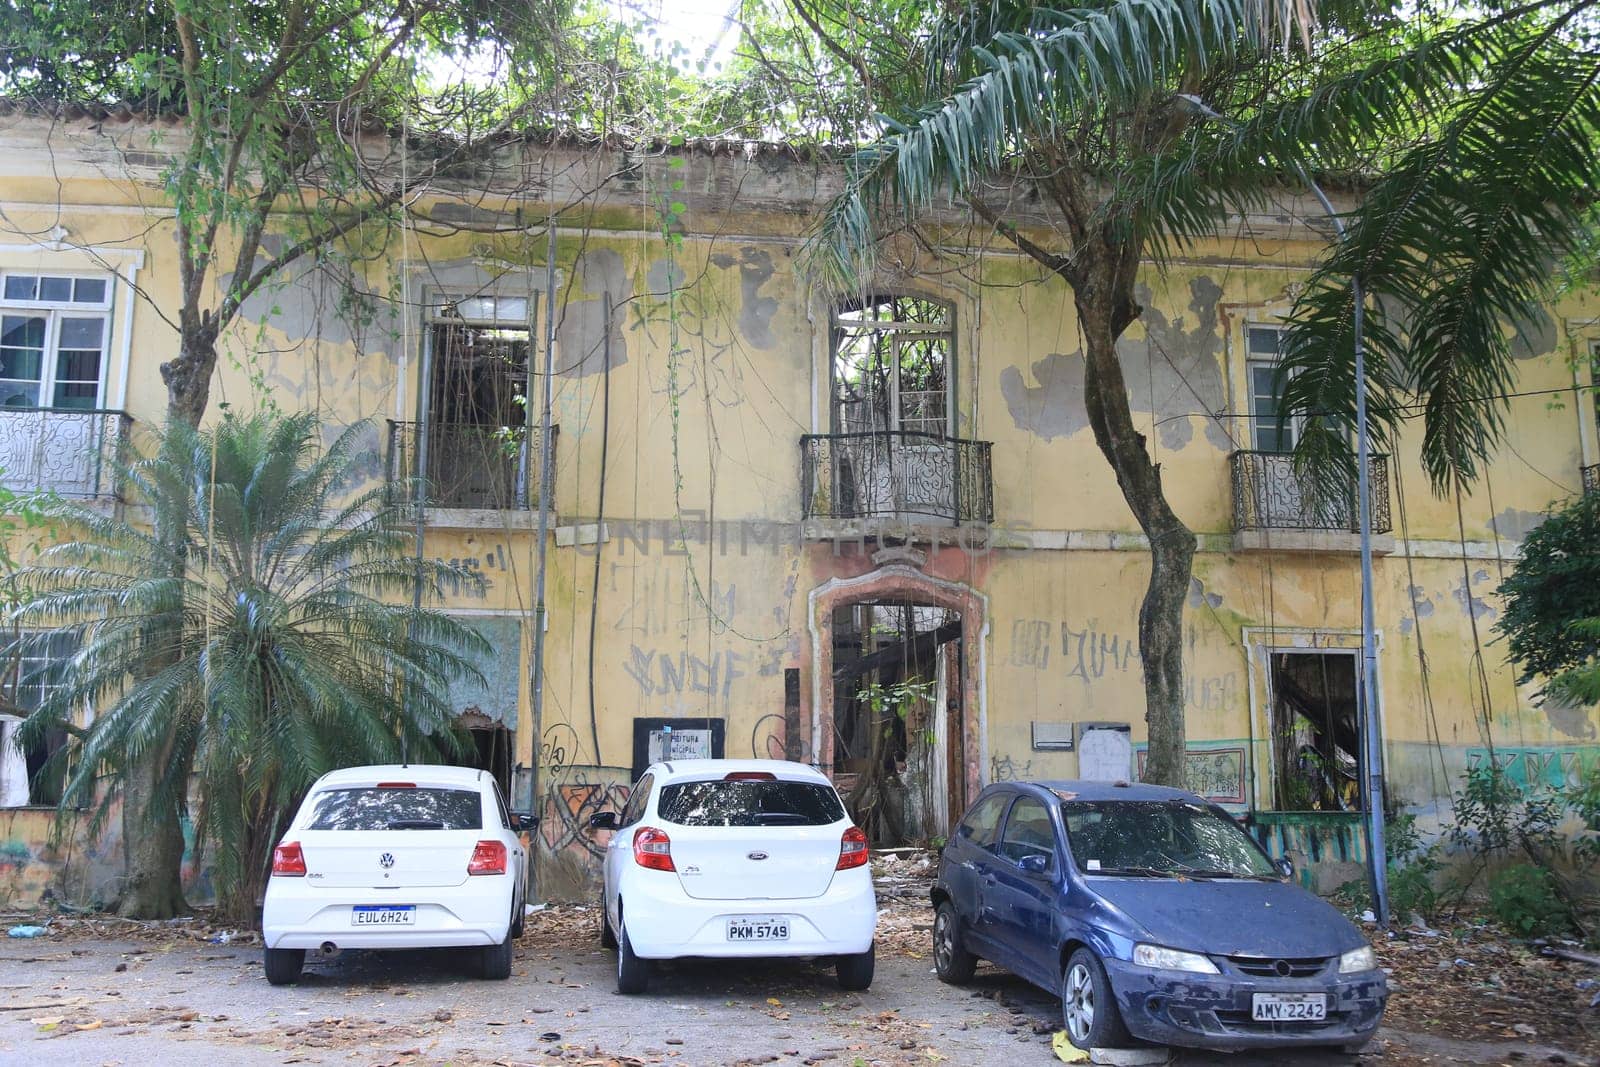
x,y
988,880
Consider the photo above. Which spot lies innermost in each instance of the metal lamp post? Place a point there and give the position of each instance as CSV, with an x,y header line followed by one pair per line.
x,y
1371,732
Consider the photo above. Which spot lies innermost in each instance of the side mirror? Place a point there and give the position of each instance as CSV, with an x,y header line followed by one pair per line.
x,y
524,820
1034,864
603,820
1286,867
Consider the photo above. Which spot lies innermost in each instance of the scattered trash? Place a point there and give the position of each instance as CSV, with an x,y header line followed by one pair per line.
x,y
533,909
1524,1029
550,1035
1463,962
27,931
220,939
1368,917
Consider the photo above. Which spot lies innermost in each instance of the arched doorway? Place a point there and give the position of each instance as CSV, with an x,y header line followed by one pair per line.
x,y
940,614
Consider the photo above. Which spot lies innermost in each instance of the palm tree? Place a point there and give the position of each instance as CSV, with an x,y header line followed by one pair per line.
x,y
276,641
1080,114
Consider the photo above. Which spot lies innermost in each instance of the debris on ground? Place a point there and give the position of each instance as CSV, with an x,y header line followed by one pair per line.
x,y
1469,980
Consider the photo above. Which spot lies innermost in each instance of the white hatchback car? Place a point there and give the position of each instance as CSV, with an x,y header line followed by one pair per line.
x,y
396,857
736,858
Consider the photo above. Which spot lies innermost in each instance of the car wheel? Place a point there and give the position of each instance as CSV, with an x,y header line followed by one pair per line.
x,y
633,973
520,922
951,960
1088,1007
283,964
494,961
855,972
607,938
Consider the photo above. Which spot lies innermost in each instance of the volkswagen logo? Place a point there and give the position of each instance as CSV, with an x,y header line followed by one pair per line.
x,y
757,855
386,860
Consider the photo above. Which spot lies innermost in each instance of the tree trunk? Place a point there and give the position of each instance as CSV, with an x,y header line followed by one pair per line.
x,y
152,843
152,825
1104,298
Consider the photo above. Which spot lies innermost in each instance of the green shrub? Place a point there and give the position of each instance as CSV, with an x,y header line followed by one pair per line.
x,y
1523,898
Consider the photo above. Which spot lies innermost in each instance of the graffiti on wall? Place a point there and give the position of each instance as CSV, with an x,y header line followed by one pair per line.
x,y
1009,769
1540,768
769,736
569,802
1214,770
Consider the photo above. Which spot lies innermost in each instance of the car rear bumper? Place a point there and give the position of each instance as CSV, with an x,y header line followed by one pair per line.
x,y
1214,1011
477,912
664,922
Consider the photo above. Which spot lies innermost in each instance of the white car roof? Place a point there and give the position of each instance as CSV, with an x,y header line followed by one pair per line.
x,y
424,774
701,769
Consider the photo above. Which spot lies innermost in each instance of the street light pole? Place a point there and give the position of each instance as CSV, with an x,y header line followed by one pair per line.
x,y
1371,785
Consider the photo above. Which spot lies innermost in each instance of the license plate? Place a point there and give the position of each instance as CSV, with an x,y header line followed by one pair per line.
x,y
758,929
383,915
1289,1007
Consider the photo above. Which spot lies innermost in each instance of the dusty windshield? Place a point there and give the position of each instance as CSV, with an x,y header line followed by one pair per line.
x,y
1160,840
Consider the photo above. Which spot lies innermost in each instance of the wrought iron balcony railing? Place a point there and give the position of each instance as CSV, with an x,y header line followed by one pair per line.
x,y
1269,495
68,451
1591,478
467,465
912,477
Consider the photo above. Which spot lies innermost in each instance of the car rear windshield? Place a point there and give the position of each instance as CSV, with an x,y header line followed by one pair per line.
x,y
376,808
1159,839
746,803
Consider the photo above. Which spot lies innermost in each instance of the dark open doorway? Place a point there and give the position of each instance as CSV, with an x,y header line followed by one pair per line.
x,y
1316,731
897,690
489,749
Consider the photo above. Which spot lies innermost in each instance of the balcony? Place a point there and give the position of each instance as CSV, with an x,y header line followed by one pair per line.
x,y
66,451
470,467
1272,508
896,477
1591,478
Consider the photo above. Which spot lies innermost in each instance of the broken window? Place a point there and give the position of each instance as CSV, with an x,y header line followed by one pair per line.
x,y
1316,738
32,773
478,452
891,363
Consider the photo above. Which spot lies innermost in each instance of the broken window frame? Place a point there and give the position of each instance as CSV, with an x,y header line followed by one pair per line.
x,y
507,318
1326,794
915,322
33,661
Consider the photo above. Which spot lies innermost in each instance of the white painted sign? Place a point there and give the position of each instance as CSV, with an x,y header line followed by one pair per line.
x,y
672,744
1105,754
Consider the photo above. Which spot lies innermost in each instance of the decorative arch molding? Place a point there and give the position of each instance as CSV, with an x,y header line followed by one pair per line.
x,y
899,581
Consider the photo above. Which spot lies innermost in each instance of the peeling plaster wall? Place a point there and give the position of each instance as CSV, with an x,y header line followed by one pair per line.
x,y
700,598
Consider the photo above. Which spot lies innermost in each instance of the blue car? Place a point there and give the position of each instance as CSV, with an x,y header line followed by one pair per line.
x,y
1154,917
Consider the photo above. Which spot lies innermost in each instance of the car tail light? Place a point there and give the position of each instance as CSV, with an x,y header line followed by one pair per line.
x,y
653,849
852,849
396,785
288,861
488,857
750,776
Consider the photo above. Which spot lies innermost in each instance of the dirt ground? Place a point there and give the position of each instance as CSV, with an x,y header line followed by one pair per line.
x,y
107,992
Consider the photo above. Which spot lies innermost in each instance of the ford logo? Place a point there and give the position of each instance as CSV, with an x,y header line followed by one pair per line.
x,y
386,860
758,855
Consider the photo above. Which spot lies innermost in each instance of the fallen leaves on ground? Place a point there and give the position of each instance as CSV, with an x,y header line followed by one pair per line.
x,y
1472,982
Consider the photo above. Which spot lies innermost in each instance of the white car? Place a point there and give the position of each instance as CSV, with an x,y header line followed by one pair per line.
x,y
736,858
396,857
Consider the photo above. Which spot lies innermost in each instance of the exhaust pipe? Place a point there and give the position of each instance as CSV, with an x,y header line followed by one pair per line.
x,y
329,950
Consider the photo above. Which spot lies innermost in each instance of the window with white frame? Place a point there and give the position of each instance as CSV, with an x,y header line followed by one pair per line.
x,y
1269,432
54,329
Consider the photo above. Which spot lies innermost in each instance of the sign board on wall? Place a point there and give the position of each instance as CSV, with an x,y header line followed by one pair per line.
x,y
661,740
1105,752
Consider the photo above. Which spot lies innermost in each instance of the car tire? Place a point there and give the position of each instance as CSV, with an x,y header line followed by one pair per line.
x,y
855,972
1088,1007
951,960
283,965
633,973
607,938
520,922
494,961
